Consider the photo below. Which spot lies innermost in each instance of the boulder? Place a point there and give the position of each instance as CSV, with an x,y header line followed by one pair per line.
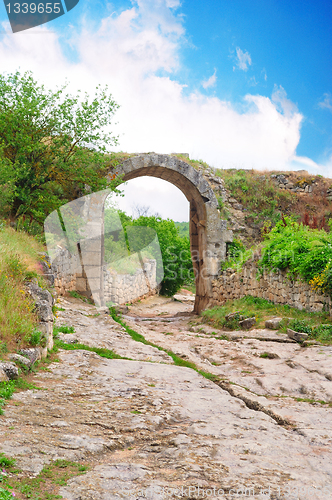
x,y
3,376
230,316
10,369
44,310
38,294
273,323
32,354
17,358
297,336
247,323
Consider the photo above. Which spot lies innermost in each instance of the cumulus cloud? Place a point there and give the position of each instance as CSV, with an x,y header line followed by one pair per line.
x,y
137,53
210,82
243,59
327,102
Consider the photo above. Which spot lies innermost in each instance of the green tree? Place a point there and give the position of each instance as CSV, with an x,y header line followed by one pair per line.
x,y
175,249
175,252
53,146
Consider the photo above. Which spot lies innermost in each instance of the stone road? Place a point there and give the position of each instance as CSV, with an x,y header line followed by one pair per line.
x,y
151,429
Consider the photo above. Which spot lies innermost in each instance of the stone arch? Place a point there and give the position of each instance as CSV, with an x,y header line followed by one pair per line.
x,y
85,251
207,244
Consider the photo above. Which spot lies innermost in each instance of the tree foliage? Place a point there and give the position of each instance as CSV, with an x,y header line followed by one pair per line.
x,y
52,146
175,250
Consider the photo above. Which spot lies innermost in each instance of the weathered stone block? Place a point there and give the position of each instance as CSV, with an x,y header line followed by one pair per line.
x,y
273,323
44,310
33,354
17,358
247,323
297,336
10,369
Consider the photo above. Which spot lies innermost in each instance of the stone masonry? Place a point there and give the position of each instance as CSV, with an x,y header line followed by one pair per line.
x,y
274,286
208,233
118,288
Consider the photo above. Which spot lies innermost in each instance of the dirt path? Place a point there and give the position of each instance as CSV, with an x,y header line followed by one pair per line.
x,y
151,429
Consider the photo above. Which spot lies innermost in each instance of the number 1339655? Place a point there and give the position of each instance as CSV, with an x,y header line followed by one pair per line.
x,y
33,8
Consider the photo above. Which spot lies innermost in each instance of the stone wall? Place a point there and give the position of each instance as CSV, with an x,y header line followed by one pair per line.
x,y
126,288
274,286
118,288
65,269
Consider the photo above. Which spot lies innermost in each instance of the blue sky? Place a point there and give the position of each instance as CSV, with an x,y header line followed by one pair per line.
x,y
237,83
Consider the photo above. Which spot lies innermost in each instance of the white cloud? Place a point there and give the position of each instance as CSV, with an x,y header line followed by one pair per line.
x,y
327,103
210,82
155,194
137,54
243,59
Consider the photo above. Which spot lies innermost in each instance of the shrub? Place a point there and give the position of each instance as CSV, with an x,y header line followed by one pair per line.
x,y
303,251
301,326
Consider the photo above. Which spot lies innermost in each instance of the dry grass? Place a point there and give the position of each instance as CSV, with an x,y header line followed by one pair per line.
x,y
18,261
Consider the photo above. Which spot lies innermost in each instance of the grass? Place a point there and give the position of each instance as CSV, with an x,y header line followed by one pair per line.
x,y
43,487
176,359
19,261
63,329
77,295
101,351
318,324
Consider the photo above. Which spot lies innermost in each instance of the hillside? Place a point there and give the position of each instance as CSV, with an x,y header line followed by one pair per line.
x,y
250,200
255,201
19,263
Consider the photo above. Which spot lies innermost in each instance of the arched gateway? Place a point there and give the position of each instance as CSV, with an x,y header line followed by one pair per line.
x,y
207,245
207,235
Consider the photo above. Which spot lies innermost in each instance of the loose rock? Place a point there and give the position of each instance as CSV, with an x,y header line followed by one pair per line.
x,y
10,370
247,323
32,354
297,336
20,359
273,323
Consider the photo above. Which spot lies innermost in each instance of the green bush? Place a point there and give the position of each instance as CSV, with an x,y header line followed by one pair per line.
x,y
323,333
302,251
36,338
301,326
235,249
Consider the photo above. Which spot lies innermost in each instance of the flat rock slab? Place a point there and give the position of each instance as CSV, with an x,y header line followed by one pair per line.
x,y
153,425
156,430
148,427
97,329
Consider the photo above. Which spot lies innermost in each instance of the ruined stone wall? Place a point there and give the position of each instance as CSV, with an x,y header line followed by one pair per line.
x,y
118,288
65,268
126,288
274,286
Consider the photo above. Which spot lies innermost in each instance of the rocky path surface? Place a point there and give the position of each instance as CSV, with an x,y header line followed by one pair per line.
x,y
150,429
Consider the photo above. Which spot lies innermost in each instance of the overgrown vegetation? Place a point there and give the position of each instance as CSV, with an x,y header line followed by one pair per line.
x,y
52,147
261,199
302,251
19,262
174,265
317,325
264,202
